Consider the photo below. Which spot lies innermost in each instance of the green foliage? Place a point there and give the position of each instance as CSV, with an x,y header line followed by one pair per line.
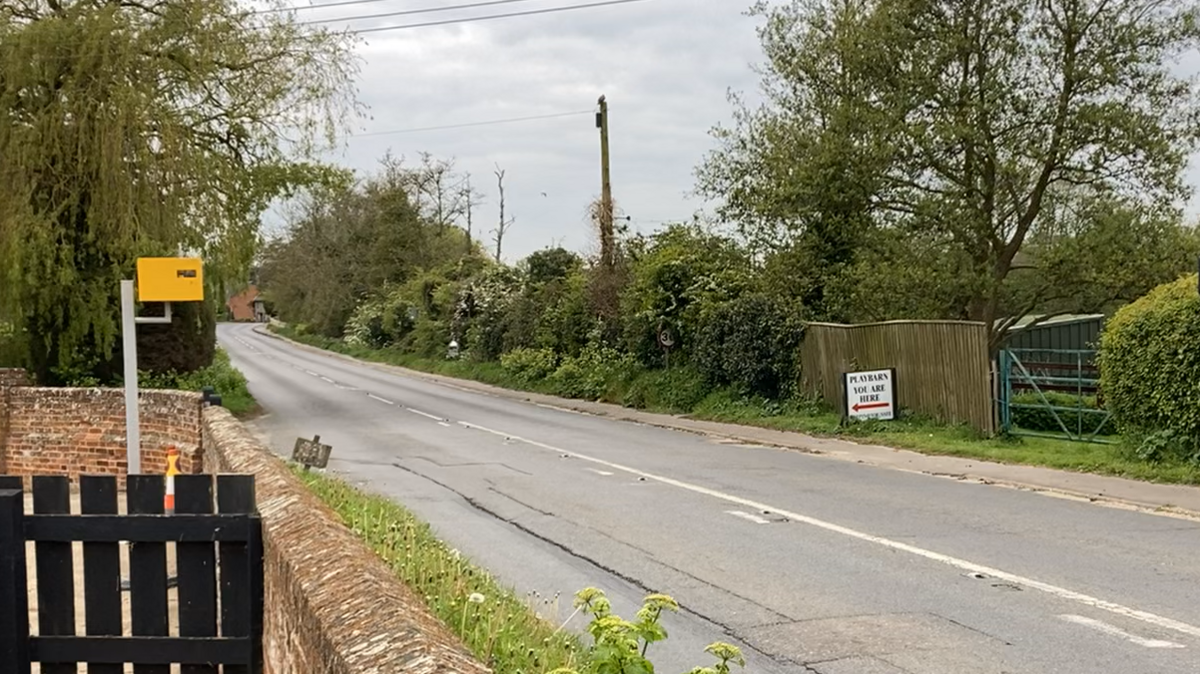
x,y
619,646
1011,176
675,389
226,380
186,345
1149,365
500,628
589,374
752,343
127,130
676,273
1042,419
529,366
357,244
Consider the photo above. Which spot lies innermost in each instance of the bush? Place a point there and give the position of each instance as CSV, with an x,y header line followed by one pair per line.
x,y
226,380
751,343
677,389
527,366
1043,420
1150,363
588,375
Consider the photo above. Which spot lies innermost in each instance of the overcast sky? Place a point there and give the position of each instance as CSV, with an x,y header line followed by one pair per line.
x,y
664,65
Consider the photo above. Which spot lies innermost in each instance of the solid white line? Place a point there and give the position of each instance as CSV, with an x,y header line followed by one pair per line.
x,y
427,415
747,516
965,565
1112,630
382,400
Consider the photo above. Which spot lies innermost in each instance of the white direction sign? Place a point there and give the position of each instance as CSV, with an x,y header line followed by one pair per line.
x,y
871,394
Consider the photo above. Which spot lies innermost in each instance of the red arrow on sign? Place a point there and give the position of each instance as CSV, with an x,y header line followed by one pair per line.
x,y
869,406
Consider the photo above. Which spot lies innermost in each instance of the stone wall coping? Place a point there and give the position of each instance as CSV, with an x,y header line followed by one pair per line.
x,y
368,620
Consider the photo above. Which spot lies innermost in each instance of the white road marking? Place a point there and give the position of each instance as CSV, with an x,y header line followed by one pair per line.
x,y
346,388
311,373
382,400
1111,630
965,565
597,471
327,380
747,516
442,423
427,415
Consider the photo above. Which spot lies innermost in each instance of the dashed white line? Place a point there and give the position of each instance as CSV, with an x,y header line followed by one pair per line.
x,y
327,380
442,423
427,415
382,400
603,473
965,565
311,373
1112,630
747,516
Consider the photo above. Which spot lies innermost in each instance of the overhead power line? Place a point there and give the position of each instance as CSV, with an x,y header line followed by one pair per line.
x,y
407,12
470,124
487,17
422,10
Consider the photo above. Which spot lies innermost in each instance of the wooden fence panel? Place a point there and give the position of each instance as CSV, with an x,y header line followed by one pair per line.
x,y
195,534
942,367
101,568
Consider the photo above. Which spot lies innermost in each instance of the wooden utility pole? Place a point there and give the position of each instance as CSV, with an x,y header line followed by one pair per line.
x,y
607,247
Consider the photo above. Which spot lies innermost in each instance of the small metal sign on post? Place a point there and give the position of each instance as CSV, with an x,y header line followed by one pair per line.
x,y
311,453
666,341
870,394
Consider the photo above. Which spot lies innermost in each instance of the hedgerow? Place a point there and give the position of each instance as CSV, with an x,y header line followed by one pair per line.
x,y
1150,368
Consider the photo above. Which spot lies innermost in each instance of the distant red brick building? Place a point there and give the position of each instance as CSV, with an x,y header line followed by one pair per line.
x,y
247,305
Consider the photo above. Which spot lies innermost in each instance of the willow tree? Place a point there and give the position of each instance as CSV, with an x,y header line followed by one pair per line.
x,y
131,128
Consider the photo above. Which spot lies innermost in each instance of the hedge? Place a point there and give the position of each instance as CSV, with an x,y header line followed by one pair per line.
x,y
1043,420
1149,362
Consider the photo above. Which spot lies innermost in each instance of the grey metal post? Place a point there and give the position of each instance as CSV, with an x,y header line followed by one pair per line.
x,y
133,439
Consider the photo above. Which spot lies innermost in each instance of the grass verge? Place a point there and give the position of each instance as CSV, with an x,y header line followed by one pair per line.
x,y
656,391
501,629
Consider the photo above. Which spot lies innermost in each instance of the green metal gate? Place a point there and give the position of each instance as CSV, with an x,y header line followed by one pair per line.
x,y
1052,393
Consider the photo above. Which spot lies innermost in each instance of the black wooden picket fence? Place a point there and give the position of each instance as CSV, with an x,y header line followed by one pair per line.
x,y
219,574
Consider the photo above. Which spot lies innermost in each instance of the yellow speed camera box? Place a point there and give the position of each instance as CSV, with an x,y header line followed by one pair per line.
x,y
170,279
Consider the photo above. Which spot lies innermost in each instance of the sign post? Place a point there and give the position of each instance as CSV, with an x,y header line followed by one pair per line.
x,y
159,279
870,394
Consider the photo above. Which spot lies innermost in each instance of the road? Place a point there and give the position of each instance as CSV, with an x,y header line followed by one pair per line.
x,y
811,564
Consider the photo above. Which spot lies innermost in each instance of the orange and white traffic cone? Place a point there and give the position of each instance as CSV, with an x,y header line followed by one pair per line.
x,y
172,471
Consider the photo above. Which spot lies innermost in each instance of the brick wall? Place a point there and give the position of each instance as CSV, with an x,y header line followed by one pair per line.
x,y
73,431
13,376
332,606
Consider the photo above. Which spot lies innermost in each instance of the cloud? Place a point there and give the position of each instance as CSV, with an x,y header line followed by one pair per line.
x,y
664,65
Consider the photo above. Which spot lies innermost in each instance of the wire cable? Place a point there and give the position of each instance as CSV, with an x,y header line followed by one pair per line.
x,y
407,12
486,17
489,122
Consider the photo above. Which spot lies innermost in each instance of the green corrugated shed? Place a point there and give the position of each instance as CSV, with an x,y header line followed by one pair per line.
x,y
1070,332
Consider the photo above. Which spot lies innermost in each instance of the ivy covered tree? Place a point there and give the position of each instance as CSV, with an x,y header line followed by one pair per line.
x,y
146,128
959,133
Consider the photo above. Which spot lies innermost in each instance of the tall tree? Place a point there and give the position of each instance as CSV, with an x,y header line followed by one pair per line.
x,y
133,128
961,123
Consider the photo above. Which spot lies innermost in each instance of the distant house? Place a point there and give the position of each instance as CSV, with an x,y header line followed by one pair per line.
x,y
247,306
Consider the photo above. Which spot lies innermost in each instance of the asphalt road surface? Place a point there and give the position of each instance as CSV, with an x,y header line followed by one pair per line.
x,y
811,564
